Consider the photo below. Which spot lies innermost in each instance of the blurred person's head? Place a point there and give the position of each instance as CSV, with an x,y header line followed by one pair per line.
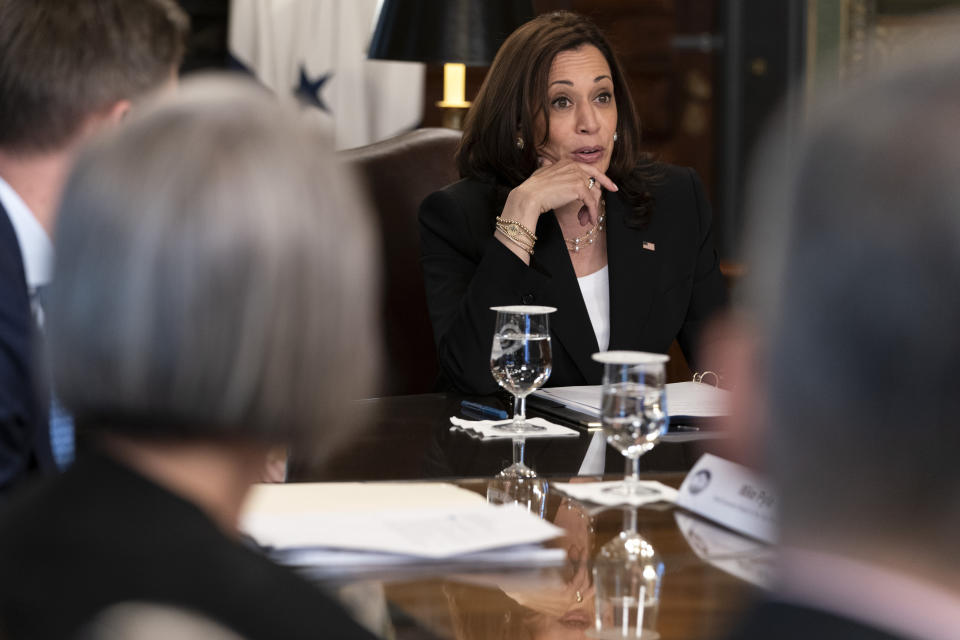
x,y
856,274
215,278
544,75
65,66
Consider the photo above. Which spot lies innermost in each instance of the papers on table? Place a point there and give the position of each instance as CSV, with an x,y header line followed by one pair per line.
x,y
386,524
326,563
742,557
338,497
650,491
684,399
485,429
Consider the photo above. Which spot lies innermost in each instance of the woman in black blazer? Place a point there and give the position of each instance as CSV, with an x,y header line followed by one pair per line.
x,y
559,207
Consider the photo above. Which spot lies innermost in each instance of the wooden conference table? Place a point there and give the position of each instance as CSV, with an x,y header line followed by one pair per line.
x,y
409,438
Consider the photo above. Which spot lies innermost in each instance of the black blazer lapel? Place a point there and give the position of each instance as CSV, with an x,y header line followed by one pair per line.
x,y
570,325
633,273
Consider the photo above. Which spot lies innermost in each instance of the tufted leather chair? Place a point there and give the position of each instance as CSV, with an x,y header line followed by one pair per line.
x,y
399,173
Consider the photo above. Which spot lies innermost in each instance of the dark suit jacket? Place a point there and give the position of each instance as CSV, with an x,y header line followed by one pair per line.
x,y
24,435
771,620
655,295
101,534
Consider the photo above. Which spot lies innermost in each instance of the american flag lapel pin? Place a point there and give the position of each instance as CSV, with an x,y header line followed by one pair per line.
x,y
649,246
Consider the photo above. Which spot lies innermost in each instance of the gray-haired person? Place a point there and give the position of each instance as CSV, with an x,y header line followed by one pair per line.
x,y
214,294
856,278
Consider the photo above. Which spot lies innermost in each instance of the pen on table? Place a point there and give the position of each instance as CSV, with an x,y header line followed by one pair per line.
x,y
485,411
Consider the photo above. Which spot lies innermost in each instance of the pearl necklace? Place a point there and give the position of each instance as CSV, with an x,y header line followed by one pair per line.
x,y
591,235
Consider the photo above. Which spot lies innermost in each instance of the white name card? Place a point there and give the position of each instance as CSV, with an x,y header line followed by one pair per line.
x,y
731,495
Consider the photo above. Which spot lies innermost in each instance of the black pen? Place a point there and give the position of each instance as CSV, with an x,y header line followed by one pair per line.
x,y
484,410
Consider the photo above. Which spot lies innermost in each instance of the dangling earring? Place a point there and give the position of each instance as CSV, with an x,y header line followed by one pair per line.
x,y
520,143
614,136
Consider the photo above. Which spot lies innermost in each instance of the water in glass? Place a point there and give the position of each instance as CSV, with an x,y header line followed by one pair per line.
x,y
520,362
633,416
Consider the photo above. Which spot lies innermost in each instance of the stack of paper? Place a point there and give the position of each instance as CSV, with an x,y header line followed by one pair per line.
x,y
346,527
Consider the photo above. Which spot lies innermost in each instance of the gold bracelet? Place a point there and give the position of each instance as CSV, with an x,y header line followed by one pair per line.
x,y
515,236
518,227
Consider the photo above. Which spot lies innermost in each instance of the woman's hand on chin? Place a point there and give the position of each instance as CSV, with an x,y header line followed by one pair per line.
x,y
556,184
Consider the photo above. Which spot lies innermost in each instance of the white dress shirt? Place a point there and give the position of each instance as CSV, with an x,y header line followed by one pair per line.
x,y
596,296
36,247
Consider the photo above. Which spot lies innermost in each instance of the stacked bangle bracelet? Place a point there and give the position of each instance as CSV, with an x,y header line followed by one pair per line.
x,y
517,234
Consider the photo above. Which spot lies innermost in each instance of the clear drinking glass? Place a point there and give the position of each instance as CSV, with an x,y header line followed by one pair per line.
x,y
633,409
520,362
627,573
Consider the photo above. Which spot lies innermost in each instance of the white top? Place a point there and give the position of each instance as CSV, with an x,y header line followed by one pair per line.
x,y
35,245
595,459
596,295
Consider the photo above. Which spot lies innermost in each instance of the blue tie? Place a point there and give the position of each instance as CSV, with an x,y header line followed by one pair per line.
x,y
61,434
61,423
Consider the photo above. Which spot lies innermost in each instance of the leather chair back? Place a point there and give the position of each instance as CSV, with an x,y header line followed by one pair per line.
x,y
399,173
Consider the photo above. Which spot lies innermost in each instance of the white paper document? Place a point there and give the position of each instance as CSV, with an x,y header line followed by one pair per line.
x,y
688,399
392,519
304,497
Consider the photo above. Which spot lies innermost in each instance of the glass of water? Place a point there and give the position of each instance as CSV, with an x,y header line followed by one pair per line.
x,y
633,409
520,362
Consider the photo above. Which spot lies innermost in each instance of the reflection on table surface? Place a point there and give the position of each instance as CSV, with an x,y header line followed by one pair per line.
x,y
409,437
697,598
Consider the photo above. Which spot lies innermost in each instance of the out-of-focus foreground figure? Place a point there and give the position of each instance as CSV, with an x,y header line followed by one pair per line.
x,y
213,298
68,71
856,278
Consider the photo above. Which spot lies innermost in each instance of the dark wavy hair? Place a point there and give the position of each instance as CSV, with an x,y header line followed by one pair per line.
x,y
514,95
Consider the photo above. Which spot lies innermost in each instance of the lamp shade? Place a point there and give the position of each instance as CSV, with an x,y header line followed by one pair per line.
x,y
440,31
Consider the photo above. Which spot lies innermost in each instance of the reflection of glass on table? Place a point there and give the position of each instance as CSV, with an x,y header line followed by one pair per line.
x,y
627,574
527,492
